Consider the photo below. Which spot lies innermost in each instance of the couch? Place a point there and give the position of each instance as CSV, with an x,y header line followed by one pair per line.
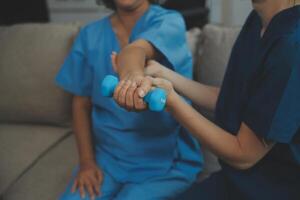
x,y
37,149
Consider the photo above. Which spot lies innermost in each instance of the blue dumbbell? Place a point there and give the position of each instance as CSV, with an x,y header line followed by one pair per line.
x,y
156,99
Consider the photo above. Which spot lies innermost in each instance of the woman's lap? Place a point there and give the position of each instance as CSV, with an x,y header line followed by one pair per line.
x,y
162,187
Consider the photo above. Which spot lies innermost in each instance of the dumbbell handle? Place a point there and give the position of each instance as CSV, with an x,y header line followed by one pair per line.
x,y
156,98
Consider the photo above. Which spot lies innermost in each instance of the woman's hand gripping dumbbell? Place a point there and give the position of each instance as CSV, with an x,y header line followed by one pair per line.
x,y
156,98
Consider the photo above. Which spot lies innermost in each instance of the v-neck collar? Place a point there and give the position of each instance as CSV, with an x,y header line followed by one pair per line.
x,y
282,23
137,24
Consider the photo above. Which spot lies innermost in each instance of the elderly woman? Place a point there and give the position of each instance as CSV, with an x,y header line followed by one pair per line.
x,y
257,130
124,155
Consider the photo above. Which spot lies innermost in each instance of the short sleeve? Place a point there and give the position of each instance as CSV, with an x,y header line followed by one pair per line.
x,y
273,109
167,33
75,75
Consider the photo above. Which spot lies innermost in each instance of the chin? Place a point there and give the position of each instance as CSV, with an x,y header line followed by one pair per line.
x,y
128,4
257,3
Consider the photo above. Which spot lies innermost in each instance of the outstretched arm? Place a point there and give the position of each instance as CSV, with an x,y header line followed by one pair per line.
x,y
241,151
130,64
132,58
202,95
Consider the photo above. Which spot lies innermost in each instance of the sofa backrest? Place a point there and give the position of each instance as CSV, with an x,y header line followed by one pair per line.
x,y
30,56
214,53
214,48
215,45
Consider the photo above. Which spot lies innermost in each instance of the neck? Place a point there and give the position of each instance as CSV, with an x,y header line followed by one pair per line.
x,y
130,16
267,9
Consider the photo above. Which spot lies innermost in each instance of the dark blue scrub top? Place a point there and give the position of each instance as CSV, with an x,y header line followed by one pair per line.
x,y
262,89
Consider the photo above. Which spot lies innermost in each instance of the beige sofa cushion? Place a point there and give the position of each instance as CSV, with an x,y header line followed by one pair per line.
x,y
21,146
31,55
193,36
213,54
47,179
215,45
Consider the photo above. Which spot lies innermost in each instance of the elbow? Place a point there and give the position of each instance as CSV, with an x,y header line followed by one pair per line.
x,y
243,161
243,165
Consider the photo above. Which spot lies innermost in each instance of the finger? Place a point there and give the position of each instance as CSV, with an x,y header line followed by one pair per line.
x,y
89,187
99,176
139,81
117,91
122,94
145,87
114,61
158,82
139,103
95,185
150,63
129,96
151,68
74,187
81,190
148,71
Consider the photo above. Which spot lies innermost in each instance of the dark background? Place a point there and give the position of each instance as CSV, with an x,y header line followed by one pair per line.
x,y
194,11
23,11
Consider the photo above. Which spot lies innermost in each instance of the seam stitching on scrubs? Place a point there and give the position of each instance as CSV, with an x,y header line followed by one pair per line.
x,y
34,162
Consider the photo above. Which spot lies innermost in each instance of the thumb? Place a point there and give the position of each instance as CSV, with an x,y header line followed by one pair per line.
x,y
99,176
145,87
151,62
114,56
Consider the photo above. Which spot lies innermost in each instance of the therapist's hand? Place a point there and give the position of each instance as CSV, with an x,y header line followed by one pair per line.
x,y
132,88
155,69
168,87
164,84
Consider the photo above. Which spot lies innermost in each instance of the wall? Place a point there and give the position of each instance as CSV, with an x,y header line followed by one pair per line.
x,y
75,10
229,12
224,12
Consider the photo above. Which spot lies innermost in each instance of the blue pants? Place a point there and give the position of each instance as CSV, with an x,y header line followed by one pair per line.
x,y
163,187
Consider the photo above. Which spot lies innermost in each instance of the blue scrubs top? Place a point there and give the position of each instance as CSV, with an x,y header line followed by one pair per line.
x,y
262,89
132,146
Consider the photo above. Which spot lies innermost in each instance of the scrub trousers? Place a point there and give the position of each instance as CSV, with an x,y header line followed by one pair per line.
x,y
168,186
218,187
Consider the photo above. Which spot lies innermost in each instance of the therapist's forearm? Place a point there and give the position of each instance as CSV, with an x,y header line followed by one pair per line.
x,y
225,145
202,95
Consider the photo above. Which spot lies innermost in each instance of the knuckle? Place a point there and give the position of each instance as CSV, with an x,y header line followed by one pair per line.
x,y
121,98
133,85
128,83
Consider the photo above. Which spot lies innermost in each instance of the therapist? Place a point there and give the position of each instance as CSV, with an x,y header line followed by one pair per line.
x,y
257,130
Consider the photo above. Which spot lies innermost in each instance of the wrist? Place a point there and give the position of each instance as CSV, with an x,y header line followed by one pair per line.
x,y
128,74
161,72
172,99
167,74
87,161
